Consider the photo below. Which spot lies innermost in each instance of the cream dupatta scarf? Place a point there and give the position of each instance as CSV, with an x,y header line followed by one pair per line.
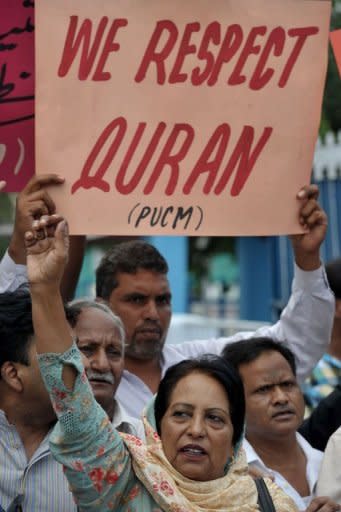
x,y
234,492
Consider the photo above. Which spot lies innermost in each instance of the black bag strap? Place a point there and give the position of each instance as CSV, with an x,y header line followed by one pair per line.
x,y
264,498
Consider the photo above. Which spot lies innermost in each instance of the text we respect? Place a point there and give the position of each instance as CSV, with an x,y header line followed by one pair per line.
x,y
218,46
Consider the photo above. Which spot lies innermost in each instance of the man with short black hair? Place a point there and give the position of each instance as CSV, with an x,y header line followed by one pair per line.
x,y
274,411
30,478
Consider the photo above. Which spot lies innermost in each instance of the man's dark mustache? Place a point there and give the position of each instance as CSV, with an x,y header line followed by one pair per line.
x,y
281,410
150,326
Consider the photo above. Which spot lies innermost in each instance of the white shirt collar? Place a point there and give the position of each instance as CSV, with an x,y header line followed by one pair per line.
x,y
314,458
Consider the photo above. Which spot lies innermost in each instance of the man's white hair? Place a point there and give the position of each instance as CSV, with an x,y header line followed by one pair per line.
x,y
83,304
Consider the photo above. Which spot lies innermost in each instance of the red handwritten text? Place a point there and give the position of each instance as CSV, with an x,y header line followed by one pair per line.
x,y
208,165
89,53
234,44
215,48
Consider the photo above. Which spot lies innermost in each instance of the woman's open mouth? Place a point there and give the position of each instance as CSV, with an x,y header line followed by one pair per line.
x,y
193,452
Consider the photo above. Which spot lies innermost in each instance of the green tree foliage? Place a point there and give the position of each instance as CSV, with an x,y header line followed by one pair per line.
x,y
331,116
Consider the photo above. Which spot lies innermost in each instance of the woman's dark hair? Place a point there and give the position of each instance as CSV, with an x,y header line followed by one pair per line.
x,y
218,369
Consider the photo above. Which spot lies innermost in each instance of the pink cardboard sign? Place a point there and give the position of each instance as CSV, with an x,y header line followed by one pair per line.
x,y
335,39
184,117
16,93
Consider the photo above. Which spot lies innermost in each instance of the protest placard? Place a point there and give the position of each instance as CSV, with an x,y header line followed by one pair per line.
x,y
335,39
184,117
16,93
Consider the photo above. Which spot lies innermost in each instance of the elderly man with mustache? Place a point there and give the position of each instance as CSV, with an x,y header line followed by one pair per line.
x,y
100,338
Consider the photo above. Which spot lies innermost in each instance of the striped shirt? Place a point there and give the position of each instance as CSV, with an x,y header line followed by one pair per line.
x,y
322,381
38,485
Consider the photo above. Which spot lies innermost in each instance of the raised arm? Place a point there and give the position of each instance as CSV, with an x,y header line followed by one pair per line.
x,y
47,245
96,461
307,320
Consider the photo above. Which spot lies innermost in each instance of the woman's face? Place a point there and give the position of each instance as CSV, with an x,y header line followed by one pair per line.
x,y
196,430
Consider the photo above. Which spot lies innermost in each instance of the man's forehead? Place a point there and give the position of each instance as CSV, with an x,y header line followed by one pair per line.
x,y
108,329
99,337
94,317
97,324
268,366
143,281
96,338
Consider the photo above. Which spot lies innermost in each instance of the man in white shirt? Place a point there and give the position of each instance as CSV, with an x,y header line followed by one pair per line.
x,y
30,478
132,279
274,411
